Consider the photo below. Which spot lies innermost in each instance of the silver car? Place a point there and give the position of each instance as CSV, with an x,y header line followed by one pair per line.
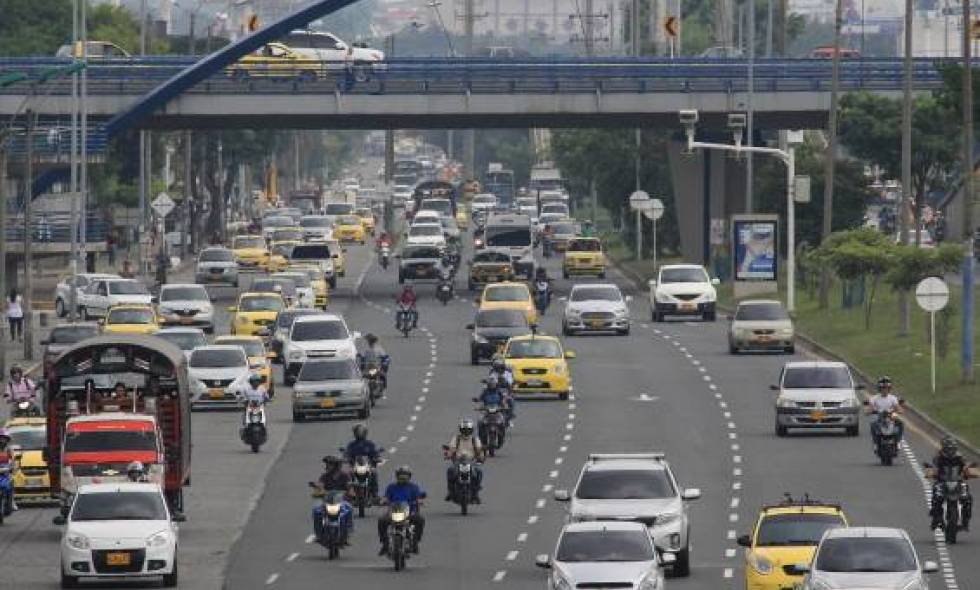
x,y
185,305
186,339
328,387
760,324
596,307
865,557
817,394
217,375
639,487
605,555
216,265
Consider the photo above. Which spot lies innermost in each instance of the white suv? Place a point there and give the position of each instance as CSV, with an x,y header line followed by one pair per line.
x,y
316,336
683,289
640,487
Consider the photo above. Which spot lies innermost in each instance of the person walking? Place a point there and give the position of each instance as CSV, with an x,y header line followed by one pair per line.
x,y
15,315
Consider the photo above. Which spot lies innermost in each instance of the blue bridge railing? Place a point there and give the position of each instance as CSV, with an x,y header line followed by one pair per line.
x,y
54,227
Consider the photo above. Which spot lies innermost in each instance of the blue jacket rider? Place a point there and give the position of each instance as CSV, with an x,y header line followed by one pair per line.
x,y
402,491
361,446
333,479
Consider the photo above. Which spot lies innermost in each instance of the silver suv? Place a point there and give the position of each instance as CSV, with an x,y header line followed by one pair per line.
x,y
639,487
817,394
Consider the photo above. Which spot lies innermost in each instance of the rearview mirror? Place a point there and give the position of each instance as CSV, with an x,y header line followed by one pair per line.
x,y
562,496
798,569
470,327
543,561
744,540
716,281
59,520
570,354
691,494
178,517
668,558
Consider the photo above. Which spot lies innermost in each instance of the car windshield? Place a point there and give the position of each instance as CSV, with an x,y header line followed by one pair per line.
x,y
492,257
501,318
278,221
299,279
484,200
270,303
287,234
184,340
554,208
422,253
327,370
756,312
442,207
287,286
119,506
195,293
585,246
252,347
217,358
816,377
249,242
683,275
286,318
508,236
338,208
633,545
315,222
448,223
507,293
127,288
866,554
72,334
130,316
349,220
564,229
625,484
310,252
795,529
216,255
596,294
91,441
537,348
284,250
28,439
319,330
425,230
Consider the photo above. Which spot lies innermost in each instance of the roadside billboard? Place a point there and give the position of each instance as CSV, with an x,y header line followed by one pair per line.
x,y
754,246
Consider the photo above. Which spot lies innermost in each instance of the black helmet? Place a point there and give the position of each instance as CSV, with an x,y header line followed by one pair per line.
x,y
884,381
371,339
16,370
135,471
466,427
403,474
360,431
254,379
331,461
948,447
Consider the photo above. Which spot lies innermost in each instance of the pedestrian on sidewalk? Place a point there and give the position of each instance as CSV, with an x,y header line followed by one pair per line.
x,y
15,315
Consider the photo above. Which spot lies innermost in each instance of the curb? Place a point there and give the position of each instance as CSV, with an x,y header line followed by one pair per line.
x,y
924,421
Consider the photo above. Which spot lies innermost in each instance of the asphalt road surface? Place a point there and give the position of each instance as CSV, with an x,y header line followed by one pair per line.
x,y
668,387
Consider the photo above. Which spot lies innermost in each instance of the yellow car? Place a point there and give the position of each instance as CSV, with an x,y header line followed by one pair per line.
x,y
786,534
462,218
251,253
321,289
367,219
131,319
339,257
539,365
275,60
27,441
583,256
279,254
509,295
349,229
255,313
258,357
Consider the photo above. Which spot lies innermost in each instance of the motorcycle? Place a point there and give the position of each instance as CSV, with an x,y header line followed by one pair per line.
x,y
6,492
403,320
384,257
444,290
333,529
951,491
26,408
402,538
374,373
542,295
493,427
886,446
362,475
462,492
253,431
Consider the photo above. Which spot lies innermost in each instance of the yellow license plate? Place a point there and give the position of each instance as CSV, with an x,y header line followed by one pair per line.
x,y
818,414
328,403
764,338
596,323
120,558
688,306
216,393
186,321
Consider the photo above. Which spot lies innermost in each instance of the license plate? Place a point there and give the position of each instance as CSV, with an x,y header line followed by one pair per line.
x,y
818,414
216,393
535,383
34,482
688,306
765,338
596,323
328,403
119,558
216,271
492,279
186,321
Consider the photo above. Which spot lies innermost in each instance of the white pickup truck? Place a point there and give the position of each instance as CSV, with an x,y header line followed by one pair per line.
x,y
101,294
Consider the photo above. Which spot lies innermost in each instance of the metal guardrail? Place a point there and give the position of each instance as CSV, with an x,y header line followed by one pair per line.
x,y
54,227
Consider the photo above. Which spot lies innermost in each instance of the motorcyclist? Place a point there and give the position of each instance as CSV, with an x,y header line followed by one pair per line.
x,y
881,404
362,446
494,395
375,353
408,299
947,457
465,443
333,479
7,459
505,381
136,472
255,392
19,387
402,491
541,276
383,240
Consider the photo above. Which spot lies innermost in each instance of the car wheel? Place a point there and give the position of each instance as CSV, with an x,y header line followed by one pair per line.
x,y
401,279
170,580
682,567
781,430
68,581
84,313
298,416
602,275
209,329
853,430
59,307
474,358
563,396
365,412
333,282
732,349
625,332
791,349
709,316
566,330
564,274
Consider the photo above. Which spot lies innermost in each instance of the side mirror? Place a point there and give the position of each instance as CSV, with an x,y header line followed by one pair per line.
x,y
562,496
470,327
774,388
652,283
798,569
691,494
628,298
543,561
355,334
178,517
716,281
860,387
45,342
668,558
744,540
232,309
59,520
930,567
570,354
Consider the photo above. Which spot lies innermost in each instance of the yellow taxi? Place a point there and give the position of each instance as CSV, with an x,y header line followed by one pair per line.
x,y
255,313
786,534
349,229
131,319
279,254
539,365
462,218
509,295
367,219
251,253
321,289
275,60
27,441
583,256
339,257
259,361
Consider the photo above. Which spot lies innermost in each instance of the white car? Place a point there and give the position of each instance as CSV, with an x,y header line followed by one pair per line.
x,y
101,294
426,216
318,336
858,558
483,203
683,289
426,234
640,487
558,208
598,307
218,373
317,227
442,207
400,193
186,339
817,394
305,297
121,531
216,265
62,291
180,304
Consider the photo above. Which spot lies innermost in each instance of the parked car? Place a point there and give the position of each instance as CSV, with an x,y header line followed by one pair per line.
x,y
62,291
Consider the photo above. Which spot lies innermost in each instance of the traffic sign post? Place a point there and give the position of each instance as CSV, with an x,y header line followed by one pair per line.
x,y
162,205
639,202
932,295
654,212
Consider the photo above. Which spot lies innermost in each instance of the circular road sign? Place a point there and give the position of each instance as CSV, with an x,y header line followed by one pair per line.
x,y
639,201
932,294
655,210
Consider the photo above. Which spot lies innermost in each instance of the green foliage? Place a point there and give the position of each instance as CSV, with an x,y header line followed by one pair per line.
x,y
34,27
857,254
914,264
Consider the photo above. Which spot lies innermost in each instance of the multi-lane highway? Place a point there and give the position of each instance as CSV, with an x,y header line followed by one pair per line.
x,y
668,387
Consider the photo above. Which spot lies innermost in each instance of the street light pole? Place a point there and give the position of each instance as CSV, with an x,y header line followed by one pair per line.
x,y
968,231
28,329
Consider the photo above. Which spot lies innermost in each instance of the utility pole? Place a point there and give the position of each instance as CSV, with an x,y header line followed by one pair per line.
x,y
3,242
389,133
589,28
828,187
966,354
187,232
28,241
222,206
73,176
469,137
83,163
769,29
143,159
903,206
750,116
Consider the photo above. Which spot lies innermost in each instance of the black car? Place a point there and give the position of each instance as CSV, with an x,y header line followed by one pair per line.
x,y
492,328
419,263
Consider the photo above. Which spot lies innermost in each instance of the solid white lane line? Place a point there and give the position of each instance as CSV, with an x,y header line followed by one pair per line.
x,y
271,579
292,557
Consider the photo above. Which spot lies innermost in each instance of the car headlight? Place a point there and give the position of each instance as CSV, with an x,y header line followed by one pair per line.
x,y
913,585
849,403
573,313
786,331
77,541
559,370
620,313
782,402
206,310
560,582
649,582
159,539
662,297
667,518
296,355
166,310
197,386
759,563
